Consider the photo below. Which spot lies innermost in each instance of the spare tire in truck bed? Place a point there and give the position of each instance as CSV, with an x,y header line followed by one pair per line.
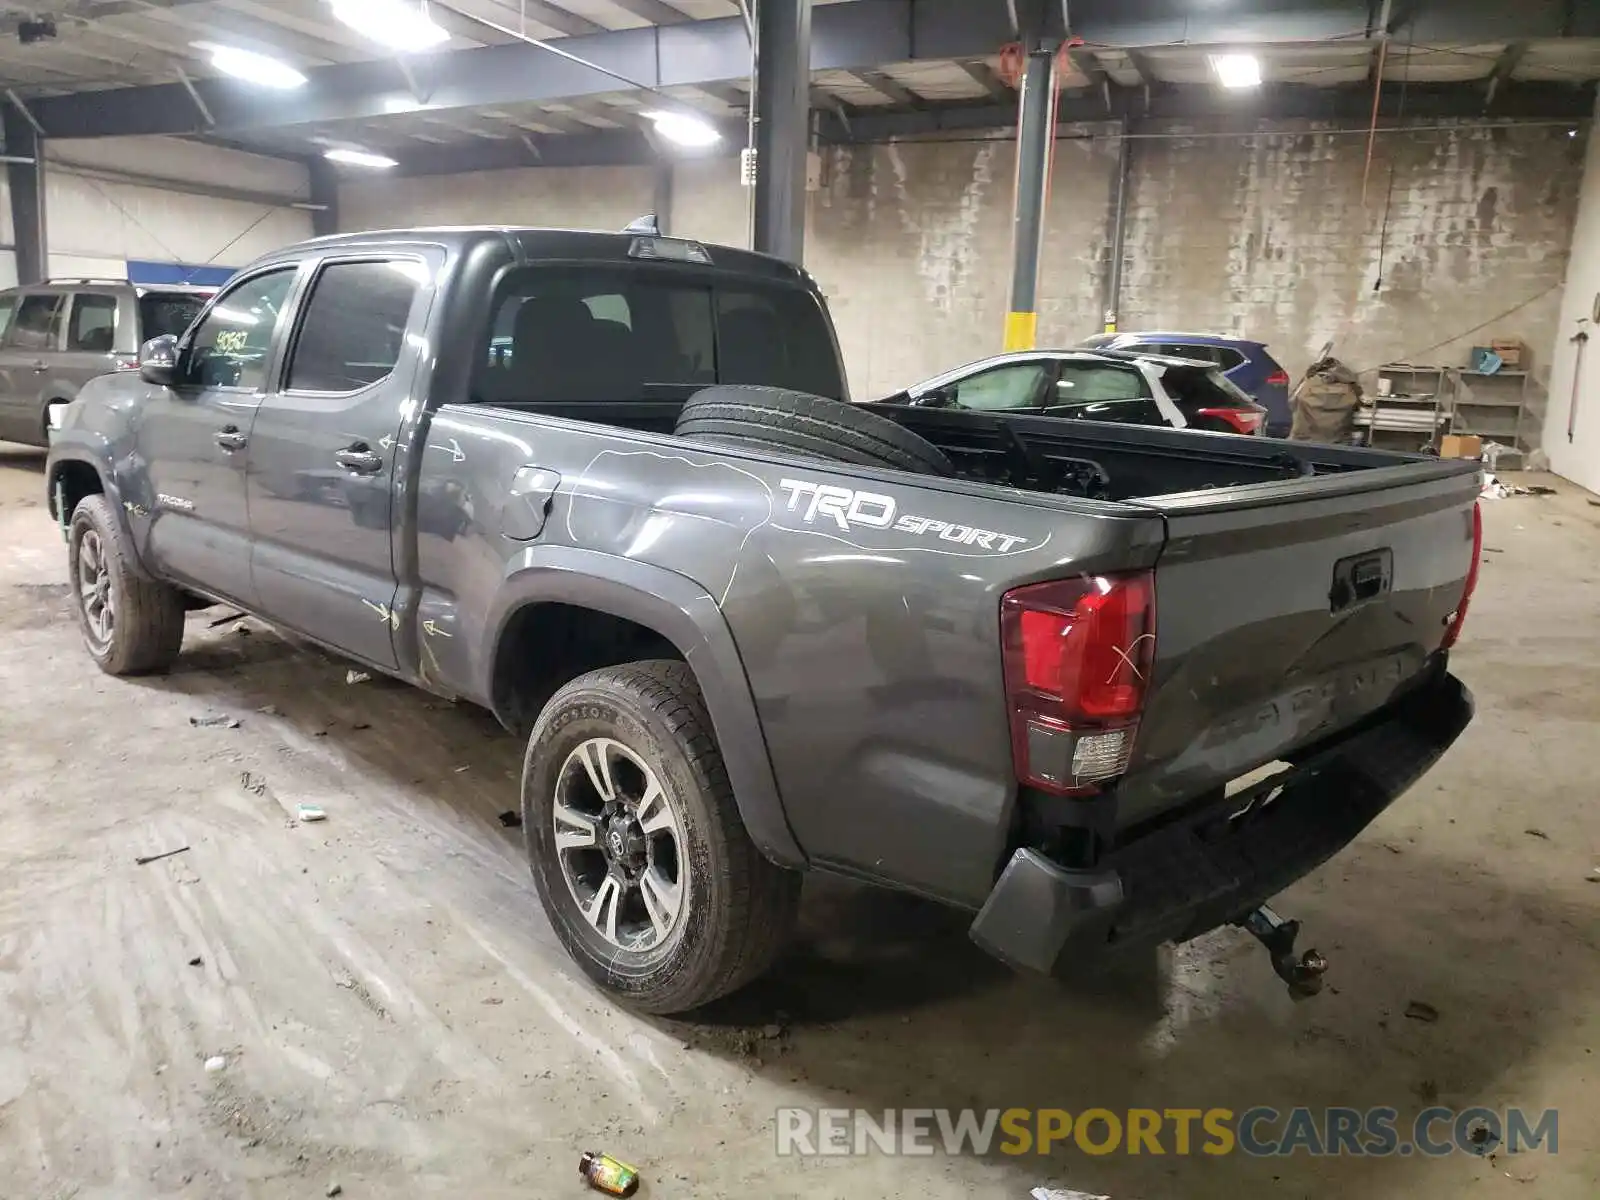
x,y
788,422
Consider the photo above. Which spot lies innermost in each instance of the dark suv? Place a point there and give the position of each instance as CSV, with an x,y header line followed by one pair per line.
x,y
58,335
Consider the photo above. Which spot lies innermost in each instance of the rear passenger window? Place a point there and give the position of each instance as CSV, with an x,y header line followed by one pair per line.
x,y
8,309
1091,383
354,325
38,322
93,327
1229,358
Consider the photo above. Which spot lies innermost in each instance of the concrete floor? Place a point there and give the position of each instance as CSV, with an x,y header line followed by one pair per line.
x,y
397,1016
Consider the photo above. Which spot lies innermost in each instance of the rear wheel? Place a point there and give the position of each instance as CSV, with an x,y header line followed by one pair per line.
x,y
637,849
775,419
129,624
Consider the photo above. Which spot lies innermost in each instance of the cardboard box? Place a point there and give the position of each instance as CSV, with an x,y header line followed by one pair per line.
x,y
1456,445
1513,353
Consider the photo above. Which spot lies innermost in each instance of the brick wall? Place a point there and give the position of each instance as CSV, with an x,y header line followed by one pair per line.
x,y
1264,234
1268,235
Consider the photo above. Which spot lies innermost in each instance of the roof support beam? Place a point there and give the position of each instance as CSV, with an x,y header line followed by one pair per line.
x,y
1503,67
555,17
860,36
1183,102
885,85
846,37
983,74
657,12
1349,107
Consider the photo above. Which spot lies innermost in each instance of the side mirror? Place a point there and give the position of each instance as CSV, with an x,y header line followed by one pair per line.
x,y
158,360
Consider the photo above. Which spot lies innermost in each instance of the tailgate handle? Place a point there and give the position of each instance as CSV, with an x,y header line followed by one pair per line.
x,y
1360,579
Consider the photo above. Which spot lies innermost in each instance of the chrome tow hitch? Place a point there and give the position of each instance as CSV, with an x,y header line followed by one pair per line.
x,y
1302,974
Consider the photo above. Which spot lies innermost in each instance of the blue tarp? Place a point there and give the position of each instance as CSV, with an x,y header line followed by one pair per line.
x,y
170,272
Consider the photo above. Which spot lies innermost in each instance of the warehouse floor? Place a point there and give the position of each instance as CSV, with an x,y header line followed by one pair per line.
x,y
397,1018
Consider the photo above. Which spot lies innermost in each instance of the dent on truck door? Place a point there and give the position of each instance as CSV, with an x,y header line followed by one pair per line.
x,y
192,439
323,451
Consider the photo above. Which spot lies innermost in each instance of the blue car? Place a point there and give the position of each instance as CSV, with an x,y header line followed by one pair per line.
x,y
1247,365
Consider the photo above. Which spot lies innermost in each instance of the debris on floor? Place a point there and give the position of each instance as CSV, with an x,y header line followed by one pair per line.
x,y
225,619
334,1189
215,721
1594,875
150,858
1537,833
354,676
215,1063
1497,489
268,710
310,812
1044,1193
197,961
1421,1010
256,785
511,819
605,1174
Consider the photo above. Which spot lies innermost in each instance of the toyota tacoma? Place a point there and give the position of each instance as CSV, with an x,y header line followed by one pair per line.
x,y
1101,686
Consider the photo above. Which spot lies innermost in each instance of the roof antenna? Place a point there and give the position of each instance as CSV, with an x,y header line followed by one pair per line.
x,y
646,225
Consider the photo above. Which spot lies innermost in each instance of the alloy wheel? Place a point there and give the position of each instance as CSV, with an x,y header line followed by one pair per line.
x,y
620,844
94,589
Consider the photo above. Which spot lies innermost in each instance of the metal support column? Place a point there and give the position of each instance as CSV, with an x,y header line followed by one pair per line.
x,y
25,177
1036,140
661,195
1119,227
325,195
782,111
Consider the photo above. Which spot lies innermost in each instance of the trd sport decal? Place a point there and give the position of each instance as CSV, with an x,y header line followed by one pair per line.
x,y
825,503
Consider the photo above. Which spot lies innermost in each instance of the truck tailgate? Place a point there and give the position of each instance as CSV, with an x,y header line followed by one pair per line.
x,y
1288,611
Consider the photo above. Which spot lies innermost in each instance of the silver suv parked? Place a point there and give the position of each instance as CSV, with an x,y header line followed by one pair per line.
x,y
57,335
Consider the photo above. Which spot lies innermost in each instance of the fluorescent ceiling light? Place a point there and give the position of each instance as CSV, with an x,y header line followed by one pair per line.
x,y
255,68
398,24
1237,70
359,158
684,129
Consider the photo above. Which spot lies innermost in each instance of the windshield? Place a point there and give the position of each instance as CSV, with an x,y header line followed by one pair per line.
x,y
597,334
168,312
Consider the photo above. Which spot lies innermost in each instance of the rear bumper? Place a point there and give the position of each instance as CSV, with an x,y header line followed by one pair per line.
x,y
1216,864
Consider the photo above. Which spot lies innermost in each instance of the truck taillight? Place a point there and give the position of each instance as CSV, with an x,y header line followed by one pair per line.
x,y
1452,625
1078,654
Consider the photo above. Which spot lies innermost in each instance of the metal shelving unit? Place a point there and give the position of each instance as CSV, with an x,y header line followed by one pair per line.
x,y
1414,412
1493,407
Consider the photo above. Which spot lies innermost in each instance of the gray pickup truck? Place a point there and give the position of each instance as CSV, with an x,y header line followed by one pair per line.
x,y
608,486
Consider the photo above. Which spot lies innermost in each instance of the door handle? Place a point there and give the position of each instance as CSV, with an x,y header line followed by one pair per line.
x,y
230,439
359,459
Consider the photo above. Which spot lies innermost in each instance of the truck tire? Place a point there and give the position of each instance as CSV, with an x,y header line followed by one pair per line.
x,y
130,625
811,426
637,849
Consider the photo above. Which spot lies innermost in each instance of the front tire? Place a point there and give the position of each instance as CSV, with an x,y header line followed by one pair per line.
x,y
130,625
636,846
